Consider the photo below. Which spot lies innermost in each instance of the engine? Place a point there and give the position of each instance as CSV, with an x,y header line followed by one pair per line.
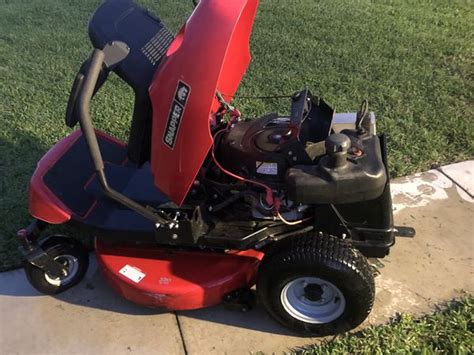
x,y
307,157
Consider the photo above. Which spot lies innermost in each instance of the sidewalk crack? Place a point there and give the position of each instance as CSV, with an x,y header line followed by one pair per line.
x,y
456,183
183,342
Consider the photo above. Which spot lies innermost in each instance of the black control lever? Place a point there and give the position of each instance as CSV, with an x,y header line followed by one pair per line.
x,y
83,104
114,52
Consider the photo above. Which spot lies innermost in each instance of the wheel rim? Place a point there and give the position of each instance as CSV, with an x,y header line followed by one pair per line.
x,y
313,300
71,264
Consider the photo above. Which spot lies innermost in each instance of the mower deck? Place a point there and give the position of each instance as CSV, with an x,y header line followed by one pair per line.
x,y
176,279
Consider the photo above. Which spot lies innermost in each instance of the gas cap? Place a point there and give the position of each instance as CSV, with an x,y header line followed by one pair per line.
x,y
337,143
337,146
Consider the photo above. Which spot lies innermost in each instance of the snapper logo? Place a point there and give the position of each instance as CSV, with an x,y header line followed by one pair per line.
x,y
176,113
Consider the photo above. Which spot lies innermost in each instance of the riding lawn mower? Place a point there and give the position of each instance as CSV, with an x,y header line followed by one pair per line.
x,y
201,204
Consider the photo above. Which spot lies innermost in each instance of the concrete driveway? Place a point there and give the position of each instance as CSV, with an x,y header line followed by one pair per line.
x,y
89,319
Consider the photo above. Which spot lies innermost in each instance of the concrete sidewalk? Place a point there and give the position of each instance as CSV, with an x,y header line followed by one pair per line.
x,y
434,267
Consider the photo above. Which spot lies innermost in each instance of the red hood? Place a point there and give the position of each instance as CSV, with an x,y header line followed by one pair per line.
x,y
210,53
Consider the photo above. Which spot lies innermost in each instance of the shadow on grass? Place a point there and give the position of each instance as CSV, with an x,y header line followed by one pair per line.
x,y
19,153
18,158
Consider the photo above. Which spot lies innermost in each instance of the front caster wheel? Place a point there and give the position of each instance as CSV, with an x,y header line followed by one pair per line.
x,y
316,285
66,251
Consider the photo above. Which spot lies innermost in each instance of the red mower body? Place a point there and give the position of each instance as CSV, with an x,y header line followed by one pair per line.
x,y
176,280
183,92
42,203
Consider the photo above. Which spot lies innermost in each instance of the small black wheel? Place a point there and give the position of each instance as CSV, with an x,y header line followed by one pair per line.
x,y
316,285
66,251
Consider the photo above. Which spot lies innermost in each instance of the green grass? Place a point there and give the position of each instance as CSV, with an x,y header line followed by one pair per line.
x,y
448,331
411,59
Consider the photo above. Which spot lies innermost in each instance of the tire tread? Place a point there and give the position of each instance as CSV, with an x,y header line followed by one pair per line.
x,y
309,250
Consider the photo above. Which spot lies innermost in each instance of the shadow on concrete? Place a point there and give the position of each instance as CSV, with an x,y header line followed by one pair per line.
x,y
256,319
93,292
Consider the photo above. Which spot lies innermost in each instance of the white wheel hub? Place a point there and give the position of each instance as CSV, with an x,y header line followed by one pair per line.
x,y
312,300
71,265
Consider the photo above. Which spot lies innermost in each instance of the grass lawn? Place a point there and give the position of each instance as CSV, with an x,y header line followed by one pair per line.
x,y
447,331
411,59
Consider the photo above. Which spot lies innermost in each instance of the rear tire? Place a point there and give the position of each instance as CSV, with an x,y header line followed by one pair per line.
x,y
316,285
67,251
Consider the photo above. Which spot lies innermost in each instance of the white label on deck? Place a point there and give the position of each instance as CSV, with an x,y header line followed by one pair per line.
x,y
267,168
132,273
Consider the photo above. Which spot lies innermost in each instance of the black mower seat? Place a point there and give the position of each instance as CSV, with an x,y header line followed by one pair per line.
x,y
145,35
148,40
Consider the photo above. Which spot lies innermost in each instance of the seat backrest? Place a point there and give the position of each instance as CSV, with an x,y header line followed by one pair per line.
x,y
148,39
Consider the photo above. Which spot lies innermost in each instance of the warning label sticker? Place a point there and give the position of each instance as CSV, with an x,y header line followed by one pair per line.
x,y
132,273
267,168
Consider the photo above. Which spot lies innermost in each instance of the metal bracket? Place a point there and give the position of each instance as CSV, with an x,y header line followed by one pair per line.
x,y
115,52
404,232
241,299
227,106
39,258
